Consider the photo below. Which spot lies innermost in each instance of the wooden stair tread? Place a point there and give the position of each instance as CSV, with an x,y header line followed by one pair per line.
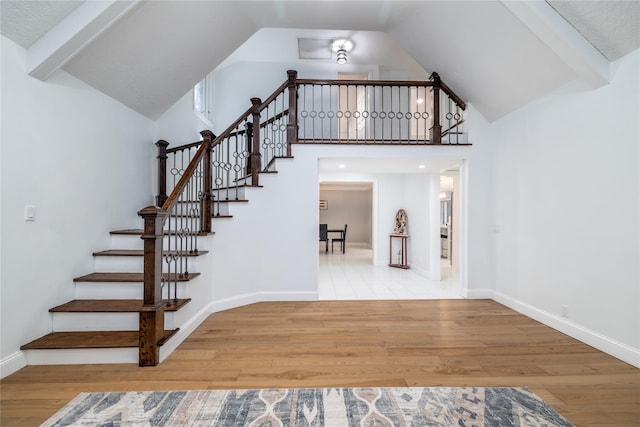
x,y
111,306
221,216
128,231
137,252
126,277
90,339
138,232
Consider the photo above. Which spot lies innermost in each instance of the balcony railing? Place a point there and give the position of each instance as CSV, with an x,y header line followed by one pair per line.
x,y
379,112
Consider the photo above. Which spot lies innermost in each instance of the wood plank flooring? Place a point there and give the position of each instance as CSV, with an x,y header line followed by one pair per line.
x,y
358,343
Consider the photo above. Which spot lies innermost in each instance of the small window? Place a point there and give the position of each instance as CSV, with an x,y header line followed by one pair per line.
x,y
202,100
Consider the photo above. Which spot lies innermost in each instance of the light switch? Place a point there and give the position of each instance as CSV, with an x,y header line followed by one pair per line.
x,y
29,213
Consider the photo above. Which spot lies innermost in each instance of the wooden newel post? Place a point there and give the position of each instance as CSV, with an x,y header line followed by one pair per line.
x,y
151,329
249,144
292,126
205,217
256,157
435,133
162,172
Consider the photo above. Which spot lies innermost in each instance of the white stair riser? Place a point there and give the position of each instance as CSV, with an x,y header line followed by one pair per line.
x,y
126,241
231,193
117,290
82,356
112,264
132,264
119,241
67,322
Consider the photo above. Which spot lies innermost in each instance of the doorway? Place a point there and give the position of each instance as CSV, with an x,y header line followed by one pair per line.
x,y
348,203
408,183
450,224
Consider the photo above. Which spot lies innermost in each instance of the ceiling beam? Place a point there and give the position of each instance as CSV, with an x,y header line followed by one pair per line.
x,y
563,39
72,34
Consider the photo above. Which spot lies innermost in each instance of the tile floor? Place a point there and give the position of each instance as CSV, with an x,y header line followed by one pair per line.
x,y
353,276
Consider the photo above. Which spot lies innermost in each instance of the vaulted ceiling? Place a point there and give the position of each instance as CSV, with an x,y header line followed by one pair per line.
x,y
497,55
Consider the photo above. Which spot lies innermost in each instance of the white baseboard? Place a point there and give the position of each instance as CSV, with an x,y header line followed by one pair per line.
x,y
254,297
12,363
612,347
478,293
82,356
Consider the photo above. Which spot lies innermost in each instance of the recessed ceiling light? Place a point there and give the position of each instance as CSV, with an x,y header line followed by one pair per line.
x,y
422,166
341,166
419,100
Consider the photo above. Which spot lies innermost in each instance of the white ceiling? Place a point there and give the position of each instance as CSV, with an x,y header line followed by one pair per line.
x,y
25,22
354,166
496,55
613,27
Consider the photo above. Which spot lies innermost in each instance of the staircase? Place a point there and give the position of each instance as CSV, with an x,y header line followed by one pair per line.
x,y
104,313
138,297
101,324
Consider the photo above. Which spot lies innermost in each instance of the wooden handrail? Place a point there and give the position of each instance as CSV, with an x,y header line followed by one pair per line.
x,y
274,118
182,182
365,82
273,96
403,83
459,102
262,125
184,147
447,130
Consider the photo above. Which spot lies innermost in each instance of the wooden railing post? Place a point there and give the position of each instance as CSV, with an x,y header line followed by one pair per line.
x,y
249,144
151,329
256,157
292,126
162,172
205,217
435,133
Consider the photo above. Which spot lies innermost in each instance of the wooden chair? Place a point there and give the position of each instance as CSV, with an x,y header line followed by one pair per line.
x,y
342,239
323,237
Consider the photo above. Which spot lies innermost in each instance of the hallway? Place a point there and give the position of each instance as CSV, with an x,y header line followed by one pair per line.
x,y
352,276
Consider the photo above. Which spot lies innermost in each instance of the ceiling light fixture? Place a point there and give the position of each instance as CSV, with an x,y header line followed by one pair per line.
x,y
341,47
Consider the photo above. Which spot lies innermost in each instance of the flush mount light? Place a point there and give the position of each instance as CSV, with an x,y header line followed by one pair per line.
x,y
341,47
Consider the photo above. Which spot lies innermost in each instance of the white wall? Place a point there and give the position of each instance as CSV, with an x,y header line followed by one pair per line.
x,y
268,250
417,197
566,205
348,206
83,160
180,125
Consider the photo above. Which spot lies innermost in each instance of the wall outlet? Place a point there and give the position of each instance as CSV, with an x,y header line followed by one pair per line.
x,y
564,310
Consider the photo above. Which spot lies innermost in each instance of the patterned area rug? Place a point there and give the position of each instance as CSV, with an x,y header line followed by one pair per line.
x,y
335,407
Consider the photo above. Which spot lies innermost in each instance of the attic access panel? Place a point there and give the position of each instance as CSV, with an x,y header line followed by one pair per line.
x,y
314,48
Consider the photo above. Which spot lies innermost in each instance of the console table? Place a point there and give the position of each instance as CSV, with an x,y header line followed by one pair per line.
x,y
402,261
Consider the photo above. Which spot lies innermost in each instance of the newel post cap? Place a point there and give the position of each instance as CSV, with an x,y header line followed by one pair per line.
x,y
207,134
152,211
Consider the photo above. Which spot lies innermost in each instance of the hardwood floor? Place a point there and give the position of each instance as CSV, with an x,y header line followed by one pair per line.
x,y
358,343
